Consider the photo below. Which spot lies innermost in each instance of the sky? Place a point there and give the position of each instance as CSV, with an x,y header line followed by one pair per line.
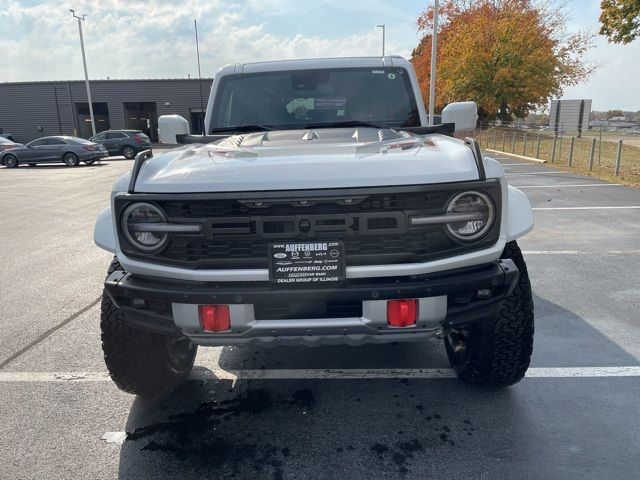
x,y
155,39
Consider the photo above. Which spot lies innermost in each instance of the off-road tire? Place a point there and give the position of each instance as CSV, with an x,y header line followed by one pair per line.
x,y
10,161
497,351
129,152
140,362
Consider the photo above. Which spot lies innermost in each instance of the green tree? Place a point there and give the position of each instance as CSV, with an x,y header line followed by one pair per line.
x,y
614,113
620,20
509,56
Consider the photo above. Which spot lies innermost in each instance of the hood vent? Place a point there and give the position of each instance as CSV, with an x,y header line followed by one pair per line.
x,y
387,134
310,135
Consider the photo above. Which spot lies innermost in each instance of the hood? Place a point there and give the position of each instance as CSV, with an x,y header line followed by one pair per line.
x,y
309,159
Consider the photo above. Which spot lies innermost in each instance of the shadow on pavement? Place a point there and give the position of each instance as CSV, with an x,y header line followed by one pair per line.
x,y
385,428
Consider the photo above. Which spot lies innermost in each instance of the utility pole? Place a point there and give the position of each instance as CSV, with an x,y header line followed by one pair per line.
x,y
382,27
84,63
434,50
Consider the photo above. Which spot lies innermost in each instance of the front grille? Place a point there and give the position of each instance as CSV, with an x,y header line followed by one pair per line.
x,y
307,310
373,224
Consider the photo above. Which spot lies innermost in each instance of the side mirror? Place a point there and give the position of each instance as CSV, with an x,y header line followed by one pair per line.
x,y
169,126
463,114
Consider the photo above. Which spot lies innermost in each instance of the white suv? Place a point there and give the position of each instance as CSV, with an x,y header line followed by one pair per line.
x,y
318,209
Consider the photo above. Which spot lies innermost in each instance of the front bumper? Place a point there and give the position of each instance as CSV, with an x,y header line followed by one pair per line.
x,y
446,299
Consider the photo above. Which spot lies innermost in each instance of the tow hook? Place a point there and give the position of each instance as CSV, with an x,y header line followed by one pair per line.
x,y
442,333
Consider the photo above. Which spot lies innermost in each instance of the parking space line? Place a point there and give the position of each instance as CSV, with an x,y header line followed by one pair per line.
x,y
42,337
325,374
588,208
538,173
571,185
581,252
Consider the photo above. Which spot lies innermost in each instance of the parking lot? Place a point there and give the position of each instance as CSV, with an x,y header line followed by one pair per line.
x,y
370,412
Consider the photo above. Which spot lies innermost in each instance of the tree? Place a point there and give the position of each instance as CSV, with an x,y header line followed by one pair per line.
x,y
614,113
620,20
509,56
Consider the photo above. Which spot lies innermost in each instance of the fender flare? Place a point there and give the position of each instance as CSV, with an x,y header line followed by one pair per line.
x,y
103,234
520,214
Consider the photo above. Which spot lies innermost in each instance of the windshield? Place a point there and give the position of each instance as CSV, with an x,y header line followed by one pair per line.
x,y
292,99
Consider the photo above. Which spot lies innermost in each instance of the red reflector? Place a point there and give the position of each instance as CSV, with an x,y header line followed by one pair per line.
x,y
402,313
214,318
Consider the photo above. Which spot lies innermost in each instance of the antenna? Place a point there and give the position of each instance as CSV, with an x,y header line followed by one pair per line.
x,y
195,23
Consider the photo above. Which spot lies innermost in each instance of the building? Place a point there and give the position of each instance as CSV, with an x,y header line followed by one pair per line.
x,y
29,110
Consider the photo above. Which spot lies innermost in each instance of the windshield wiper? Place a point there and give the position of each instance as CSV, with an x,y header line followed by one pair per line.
x,y
242,128
345,124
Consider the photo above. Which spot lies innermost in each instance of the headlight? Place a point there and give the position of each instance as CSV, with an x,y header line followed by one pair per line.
x,y
140,222
476,212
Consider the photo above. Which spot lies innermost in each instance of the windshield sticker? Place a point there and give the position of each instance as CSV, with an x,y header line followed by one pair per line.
x,y
391,76
378,71
330,103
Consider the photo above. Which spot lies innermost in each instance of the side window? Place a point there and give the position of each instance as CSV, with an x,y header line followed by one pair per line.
x,y
111,136
37,143
55,141
100,136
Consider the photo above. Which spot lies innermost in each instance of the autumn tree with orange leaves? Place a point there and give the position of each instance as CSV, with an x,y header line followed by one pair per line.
x,y
509,56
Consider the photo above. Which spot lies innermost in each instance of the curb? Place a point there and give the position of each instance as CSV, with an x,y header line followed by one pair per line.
x,y
517,156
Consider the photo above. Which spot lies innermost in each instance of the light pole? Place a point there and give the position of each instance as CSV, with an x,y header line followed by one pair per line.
x,y
84,63
382,27
434,50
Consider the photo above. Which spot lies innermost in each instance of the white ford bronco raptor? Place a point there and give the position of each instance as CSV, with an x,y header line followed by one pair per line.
x,y
317,208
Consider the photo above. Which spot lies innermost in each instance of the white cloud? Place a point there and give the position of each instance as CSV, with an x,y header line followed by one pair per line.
x,y
150,40
126,39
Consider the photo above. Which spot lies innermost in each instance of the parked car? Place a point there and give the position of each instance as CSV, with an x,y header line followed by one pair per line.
x,y
69,150
6,144
6,135
123,142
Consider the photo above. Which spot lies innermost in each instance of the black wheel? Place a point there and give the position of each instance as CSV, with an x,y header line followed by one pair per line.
x,y
10,161
129,152
497,351
90,161
71,159
140,362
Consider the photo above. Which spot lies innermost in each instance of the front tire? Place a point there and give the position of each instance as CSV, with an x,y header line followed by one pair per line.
x,y
71,159
129,152
10,161
141,362
497,351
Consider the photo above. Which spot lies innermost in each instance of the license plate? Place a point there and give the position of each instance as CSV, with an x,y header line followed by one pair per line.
x,y
307,263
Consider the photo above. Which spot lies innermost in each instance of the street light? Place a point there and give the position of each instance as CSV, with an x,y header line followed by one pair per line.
x,y
84,63
382,27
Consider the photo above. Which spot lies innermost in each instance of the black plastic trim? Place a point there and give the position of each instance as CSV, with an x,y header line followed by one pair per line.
x,y
443,129
499,276
477,155
140,159
190,139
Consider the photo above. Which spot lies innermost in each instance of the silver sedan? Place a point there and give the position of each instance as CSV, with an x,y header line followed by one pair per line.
x,y
58,149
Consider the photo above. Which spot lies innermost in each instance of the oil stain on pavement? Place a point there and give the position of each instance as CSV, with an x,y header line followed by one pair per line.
x,y
232,436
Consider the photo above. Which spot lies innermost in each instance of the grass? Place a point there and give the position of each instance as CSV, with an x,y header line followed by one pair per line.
x,y
604,159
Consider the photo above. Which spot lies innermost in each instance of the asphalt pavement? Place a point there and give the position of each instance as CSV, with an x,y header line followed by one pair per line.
x,y
369,412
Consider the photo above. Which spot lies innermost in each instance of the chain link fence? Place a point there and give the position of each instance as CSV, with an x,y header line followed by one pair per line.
x,y
604,152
